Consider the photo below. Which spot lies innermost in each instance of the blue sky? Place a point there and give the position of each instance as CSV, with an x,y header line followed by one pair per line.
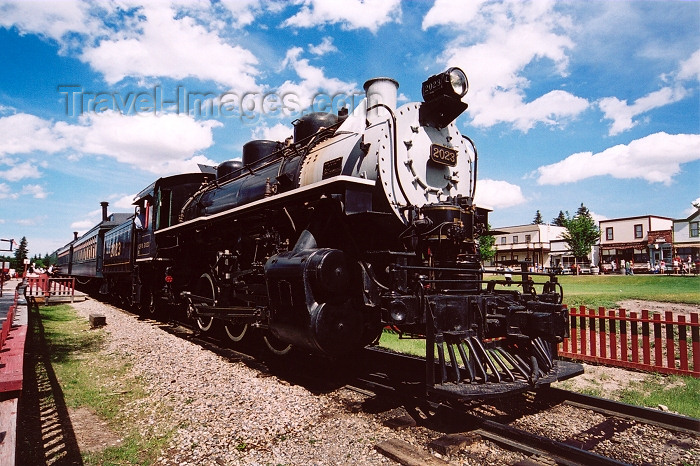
x,y
569,102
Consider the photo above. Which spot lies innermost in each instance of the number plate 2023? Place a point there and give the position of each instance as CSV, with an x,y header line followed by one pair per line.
x,y
443,155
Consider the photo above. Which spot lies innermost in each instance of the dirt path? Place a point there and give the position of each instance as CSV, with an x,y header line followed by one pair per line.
x,y
637,305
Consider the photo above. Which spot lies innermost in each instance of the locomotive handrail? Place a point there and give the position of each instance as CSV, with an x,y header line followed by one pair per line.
x,y
476,158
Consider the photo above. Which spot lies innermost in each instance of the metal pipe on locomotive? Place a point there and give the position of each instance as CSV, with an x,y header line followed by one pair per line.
x,y
360,221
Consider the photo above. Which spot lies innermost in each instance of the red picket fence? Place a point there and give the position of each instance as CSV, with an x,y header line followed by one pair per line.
x,y
616,338
7,324
42,287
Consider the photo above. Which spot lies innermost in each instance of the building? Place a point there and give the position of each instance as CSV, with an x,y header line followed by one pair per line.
x,y
686,237
529,243
644,240
561,257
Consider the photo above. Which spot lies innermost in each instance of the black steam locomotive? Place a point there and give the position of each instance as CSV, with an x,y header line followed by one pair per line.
x,y
360,221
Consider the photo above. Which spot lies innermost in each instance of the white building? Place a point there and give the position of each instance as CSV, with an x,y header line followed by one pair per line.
x,y
644,240
686,237
531,243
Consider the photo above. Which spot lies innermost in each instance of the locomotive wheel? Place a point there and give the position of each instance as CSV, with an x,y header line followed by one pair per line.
x,y
235,332
276,346
206,289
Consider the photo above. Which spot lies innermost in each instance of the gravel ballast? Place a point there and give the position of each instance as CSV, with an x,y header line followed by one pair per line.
x,y
223,411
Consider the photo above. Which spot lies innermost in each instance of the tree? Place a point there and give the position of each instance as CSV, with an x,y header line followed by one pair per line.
x,y
582,210
538,219
559,220
581,233
487,251
21,253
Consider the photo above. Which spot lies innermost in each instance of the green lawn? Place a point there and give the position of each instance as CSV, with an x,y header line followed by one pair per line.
x,y
608,290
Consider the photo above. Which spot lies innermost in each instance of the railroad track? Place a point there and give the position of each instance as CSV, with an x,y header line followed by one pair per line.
x,y
378,373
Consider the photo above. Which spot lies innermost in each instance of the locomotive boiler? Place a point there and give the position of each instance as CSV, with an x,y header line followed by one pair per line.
x,y
359,221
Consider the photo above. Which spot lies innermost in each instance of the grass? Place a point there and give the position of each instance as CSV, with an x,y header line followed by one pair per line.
x,y
608,290
101,383
679,394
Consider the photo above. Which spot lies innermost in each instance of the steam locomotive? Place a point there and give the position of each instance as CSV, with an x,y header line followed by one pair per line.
x,y
359,221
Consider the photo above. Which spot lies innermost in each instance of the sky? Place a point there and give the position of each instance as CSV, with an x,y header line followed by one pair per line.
x,y
570,102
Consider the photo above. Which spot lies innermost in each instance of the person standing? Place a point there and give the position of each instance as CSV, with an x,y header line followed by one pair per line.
x,y
623,267
508,275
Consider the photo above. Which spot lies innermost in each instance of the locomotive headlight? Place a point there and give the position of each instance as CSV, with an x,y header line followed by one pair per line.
x,y
451,83
443,94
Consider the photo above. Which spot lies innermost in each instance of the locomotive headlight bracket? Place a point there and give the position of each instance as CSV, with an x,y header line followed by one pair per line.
x,y
443,94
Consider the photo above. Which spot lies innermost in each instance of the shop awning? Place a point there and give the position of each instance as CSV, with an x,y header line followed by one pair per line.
x,y
635,245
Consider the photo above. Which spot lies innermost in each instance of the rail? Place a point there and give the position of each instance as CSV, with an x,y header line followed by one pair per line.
x,y
628,340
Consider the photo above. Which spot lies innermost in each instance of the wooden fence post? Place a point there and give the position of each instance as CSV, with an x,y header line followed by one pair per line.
x,y
612,328
683,343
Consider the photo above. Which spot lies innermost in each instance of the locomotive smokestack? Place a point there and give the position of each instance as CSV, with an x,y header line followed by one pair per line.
x,y
104,210
381,91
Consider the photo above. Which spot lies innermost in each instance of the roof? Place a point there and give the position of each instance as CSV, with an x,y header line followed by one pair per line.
x,y
692,216
632,218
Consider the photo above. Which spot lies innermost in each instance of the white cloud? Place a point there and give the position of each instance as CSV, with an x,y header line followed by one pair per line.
x,y
81,226
351,14
165,143
161,45
6,192
163,38
313,81
28,222
21,170
690,68
35,190
496,194
326,46
655,158
243,11
122,202
50,18
516,35
622,114
160,144
455,13
692,209
597,217
24,133
278,132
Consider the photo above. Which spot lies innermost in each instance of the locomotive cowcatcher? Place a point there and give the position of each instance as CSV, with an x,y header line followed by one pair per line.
x,y
359,221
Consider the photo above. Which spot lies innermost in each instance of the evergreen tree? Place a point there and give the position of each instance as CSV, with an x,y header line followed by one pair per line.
x,y
538,219
582,211
559,220
487,251
21,254
581,233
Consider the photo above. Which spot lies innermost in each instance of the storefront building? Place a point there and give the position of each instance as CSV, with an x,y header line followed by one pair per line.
x,y
686,237
645,240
